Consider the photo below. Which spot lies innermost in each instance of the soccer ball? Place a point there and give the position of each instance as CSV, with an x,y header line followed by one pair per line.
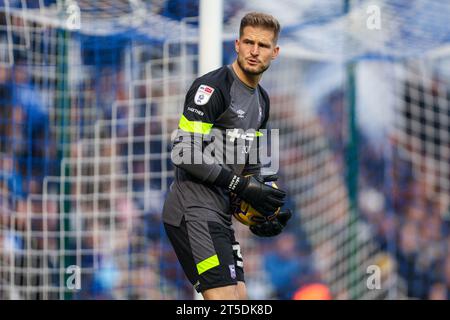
x,y
244,212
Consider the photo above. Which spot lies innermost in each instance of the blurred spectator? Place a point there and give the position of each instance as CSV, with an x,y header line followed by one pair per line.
x,y
407,255
286,265
438,291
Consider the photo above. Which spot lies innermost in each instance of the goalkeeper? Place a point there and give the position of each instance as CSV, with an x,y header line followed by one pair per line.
x,y
227,104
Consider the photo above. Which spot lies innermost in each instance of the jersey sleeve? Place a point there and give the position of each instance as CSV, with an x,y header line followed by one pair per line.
x,y
203,105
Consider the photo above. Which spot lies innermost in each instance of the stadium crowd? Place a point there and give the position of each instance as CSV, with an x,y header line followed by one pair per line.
x,y
123,251
402,196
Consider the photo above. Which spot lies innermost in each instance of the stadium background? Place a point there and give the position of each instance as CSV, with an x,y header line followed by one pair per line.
x,y
88,107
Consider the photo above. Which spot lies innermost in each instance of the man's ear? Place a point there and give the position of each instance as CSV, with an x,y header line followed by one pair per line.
x,y
236,45
275,52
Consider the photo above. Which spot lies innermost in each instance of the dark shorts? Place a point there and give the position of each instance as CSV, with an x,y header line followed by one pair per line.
x,y
208,253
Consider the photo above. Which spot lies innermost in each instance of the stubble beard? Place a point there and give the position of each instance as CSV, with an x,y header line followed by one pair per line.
x,y
241,63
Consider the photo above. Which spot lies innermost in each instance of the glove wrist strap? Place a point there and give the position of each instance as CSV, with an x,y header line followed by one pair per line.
x,y
227,179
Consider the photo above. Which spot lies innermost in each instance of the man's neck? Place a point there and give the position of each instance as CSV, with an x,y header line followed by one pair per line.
x,y
250,80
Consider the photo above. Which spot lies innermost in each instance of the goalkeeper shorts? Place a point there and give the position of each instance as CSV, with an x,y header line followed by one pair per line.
x,y
208,253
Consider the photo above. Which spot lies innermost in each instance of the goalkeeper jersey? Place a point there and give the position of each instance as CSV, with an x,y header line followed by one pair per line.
x,y
220,124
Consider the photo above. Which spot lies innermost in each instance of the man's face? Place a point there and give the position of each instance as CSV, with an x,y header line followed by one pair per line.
x,y
256,49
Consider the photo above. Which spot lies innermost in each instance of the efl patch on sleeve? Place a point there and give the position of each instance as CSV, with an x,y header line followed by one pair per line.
x,y
203,94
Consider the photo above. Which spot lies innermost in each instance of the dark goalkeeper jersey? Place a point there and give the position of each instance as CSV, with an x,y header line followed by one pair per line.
x,y
220,126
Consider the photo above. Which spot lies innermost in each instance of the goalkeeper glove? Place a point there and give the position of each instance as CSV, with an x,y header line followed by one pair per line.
x,y
271,228
253,190
263,198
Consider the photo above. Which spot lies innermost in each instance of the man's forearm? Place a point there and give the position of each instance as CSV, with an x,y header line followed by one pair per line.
x,y
207,169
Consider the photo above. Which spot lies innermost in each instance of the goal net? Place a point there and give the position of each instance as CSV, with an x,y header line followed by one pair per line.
x,y
91,93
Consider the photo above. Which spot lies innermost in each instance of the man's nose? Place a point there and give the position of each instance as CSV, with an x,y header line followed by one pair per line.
x,y
255,50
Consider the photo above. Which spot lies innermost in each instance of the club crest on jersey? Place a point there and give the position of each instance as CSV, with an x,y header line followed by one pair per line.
x,y
203,94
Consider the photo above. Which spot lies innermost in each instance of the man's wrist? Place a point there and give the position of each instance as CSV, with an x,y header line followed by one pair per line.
x,y
228,180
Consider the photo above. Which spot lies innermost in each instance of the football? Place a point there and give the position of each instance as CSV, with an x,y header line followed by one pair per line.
x,y
244,212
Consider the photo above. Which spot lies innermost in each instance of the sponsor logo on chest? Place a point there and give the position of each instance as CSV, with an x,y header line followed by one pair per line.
x,y
235,134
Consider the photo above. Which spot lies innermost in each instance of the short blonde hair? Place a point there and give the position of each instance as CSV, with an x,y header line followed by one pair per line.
x,y
258,19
